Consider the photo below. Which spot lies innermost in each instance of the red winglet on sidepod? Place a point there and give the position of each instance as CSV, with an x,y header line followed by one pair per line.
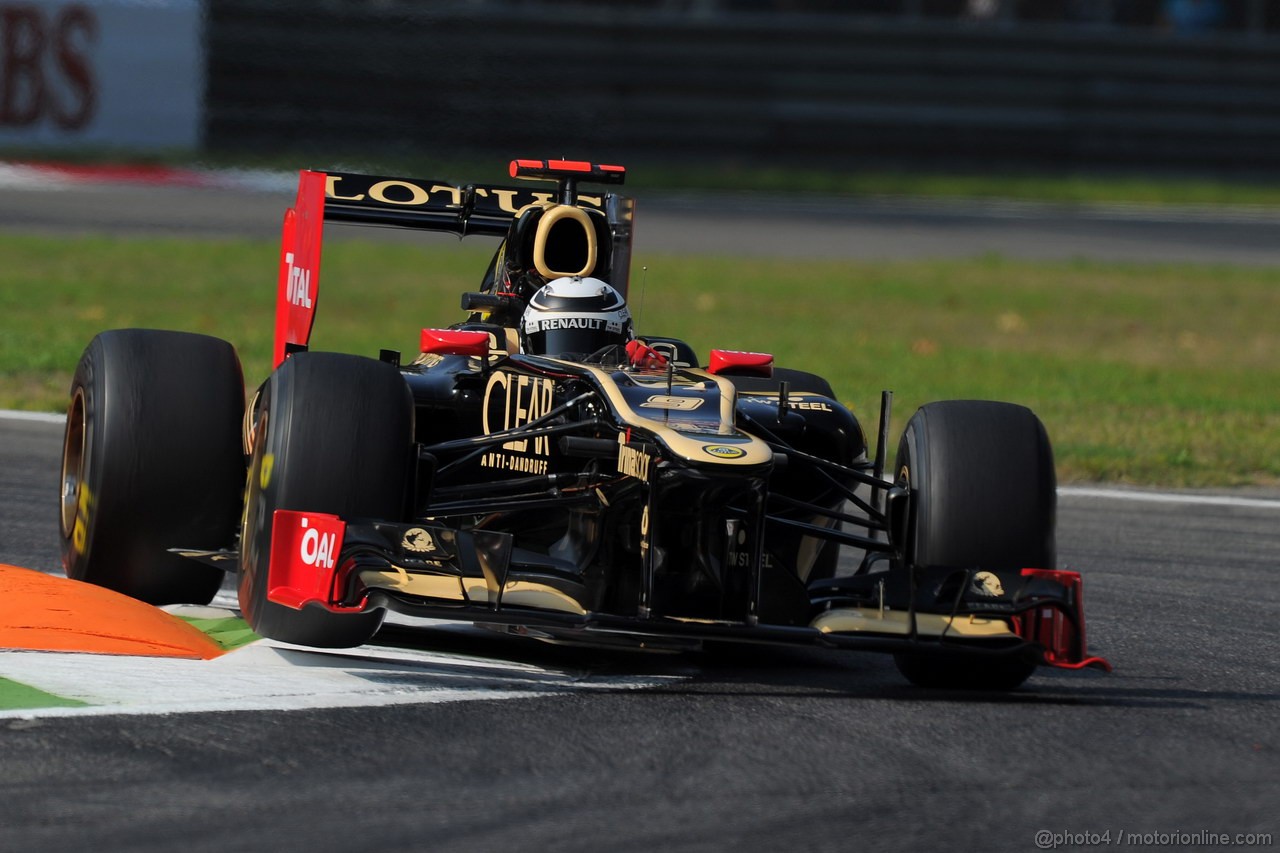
x,y
737,363
299,286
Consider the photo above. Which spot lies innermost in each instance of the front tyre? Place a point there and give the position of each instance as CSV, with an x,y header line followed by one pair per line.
x,y
982,494
152,460
332,434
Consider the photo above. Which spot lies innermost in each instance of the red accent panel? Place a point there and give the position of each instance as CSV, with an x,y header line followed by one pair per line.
x,y
645,357
1092,662
455,342
1048,625
568,166
299,284
741,363
304,558
519,166
580,169
131,174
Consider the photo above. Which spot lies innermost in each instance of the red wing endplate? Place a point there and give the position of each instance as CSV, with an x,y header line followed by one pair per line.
x,y
305,547
1059,629
299,286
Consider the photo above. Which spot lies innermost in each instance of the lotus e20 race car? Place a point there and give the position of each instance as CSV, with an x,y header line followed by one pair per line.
x,y
539,469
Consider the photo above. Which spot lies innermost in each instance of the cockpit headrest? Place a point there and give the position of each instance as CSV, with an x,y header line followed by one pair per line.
x,y
565,243
559,241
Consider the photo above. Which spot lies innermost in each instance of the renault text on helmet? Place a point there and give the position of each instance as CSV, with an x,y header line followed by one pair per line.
x,y
576,318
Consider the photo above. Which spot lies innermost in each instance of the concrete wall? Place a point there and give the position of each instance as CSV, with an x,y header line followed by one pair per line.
x,y
613,82
101,73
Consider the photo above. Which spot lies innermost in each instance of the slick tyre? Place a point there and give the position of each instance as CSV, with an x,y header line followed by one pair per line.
x,y
152,460
332,433
983,493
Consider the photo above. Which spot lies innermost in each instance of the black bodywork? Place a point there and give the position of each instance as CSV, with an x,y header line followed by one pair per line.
x,y
640,495
604,512
600,501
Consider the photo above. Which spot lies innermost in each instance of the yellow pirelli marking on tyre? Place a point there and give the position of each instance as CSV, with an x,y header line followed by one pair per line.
x,y
268,465
84,509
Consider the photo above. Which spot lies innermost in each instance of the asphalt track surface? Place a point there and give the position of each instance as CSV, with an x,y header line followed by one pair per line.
x,y
763,749
745,226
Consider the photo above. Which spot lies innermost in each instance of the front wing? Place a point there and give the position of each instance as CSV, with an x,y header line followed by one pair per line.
x,y
431,571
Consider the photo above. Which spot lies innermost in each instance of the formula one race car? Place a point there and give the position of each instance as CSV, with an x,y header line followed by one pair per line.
x,y
539,468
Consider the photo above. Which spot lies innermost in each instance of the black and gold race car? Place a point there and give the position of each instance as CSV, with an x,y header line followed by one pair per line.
x,y
541,468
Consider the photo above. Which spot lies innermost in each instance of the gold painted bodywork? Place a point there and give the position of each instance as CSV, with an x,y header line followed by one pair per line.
x,y
519,593
689,446
445,587
530,594
869,620
555,214
840,620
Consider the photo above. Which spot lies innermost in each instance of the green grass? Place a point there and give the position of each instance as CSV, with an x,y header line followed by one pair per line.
x,y
1069,188
1150,374
17,696
229,632
1082,188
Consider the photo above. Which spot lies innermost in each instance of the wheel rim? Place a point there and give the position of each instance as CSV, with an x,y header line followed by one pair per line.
x,y
245,575
73,453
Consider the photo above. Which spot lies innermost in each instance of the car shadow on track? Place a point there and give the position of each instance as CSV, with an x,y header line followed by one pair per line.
x,y
797,672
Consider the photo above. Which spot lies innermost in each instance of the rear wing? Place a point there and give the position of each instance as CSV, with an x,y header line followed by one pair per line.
x,y
430,206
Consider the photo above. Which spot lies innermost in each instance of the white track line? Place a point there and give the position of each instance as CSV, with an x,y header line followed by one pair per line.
x,y
1063,491
269,676
38,417
53,177
1167,497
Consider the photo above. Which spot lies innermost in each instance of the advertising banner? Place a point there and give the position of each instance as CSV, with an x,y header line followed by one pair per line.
x,y
95,73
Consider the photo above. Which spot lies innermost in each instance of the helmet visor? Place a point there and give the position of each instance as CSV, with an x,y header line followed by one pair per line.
x,y
573,344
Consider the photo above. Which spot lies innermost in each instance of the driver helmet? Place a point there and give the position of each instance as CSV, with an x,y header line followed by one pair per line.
x,y
575,318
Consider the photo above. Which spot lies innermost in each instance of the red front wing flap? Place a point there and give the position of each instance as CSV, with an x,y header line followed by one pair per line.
x,y
1059,629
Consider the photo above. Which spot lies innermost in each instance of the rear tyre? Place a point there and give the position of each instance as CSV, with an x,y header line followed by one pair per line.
x,y
983,494
332,434
152,460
